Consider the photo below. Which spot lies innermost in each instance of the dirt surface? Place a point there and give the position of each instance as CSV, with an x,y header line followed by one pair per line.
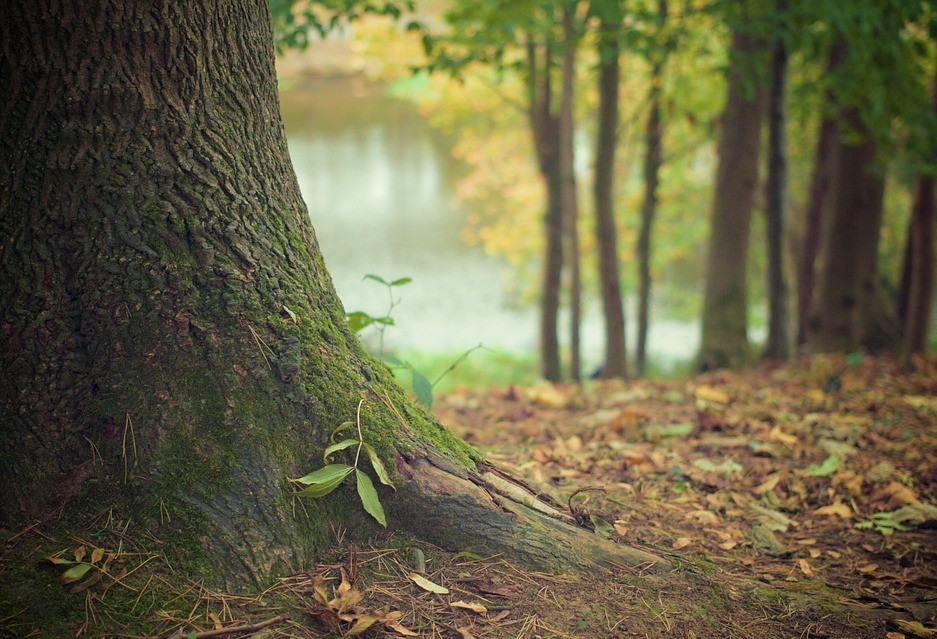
x,y
793,502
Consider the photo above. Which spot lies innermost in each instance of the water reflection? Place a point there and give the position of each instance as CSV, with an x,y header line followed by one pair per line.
x,y
378,182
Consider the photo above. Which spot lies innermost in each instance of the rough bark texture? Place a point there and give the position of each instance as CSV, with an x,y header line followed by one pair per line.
x,y
653,159
173,347
777,346
820,187
569,196
544,125
725,338
606,232
848,310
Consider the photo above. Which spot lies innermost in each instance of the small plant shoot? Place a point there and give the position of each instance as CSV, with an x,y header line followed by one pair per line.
x,y
323,481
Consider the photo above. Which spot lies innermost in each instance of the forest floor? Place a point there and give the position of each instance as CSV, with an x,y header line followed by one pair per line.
x,y
795,501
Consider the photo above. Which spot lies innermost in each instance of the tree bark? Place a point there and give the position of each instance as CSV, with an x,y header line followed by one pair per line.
x,y
725,339
173,346
848,310
917,282
544,125
777,346
653,160
818,203
569,195
606,232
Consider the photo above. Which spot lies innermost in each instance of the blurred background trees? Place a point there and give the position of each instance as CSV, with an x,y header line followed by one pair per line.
x,y
620,155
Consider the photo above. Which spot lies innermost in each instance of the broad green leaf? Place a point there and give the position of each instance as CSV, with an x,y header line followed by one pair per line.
x,y
340,428
378,466
422,388
369,498
75,573
322,489
377,278
393,361
325,474
342,445
401,281
359,320
829,466
60,561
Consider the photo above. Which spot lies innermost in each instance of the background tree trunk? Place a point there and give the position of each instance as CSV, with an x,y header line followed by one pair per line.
x,y
544,125
173,346
847,311
570,200
917,283
653,159
818,202
725,339
777,346
606,232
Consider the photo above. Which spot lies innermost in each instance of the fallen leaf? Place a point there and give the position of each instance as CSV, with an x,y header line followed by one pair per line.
x,y
916,629
464,632
710,394
837,509
867,568
467,605
779,435
895,495
400,629
426,584
769,483
498,617
806,568
682,542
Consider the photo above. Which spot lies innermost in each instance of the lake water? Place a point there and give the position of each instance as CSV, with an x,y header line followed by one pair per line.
x,y
379,181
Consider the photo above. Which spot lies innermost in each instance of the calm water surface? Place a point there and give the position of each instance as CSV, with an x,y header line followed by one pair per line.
x,y
378,182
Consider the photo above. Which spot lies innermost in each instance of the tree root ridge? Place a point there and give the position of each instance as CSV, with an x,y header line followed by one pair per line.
x,y
487,512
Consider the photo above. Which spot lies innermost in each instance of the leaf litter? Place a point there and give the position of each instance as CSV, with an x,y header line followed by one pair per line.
x,y
791,506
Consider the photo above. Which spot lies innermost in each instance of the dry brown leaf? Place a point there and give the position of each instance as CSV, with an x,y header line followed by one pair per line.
x,y
682,542
703,516
769,483
778,435
710,394
837,509
400,629
96,555
498,617
464,632
916,629
867,568
426,584
806,568
895,495
468,605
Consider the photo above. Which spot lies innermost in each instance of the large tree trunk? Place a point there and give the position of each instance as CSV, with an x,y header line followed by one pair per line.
x,y
917,282
606,232
569,195
725,336
653,159
544,125
848,312
777,346
173,347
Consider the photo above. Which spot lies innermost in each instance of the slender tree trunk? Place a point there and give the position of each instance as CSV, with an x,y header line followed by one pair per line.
x,y
725,339
777,346
173,348
917,285
606,231
653,159
570,200
847,310
820,186
544,125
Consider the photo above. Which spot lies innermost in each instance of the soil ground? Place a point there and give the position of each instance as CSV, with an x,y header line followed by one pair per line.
x,y
793,501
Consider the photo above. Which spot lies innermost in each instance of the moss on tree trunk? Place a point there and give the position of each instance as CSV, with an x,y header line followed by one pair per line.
x,y
173,346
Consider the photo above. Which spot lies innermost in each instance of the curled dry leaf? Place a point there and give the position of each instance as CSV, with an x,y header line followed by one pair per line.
x,y
468,605
838,509
682,542
426,584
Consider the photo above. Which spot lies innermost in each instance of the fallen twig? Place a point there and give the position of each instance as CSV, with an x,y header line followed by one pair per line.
x,y
251,627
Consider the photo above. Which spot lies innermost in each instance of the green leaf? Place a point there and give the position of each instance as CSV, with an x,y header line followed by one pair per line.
x,y
60,561
342,445
340,428
75,573
369,498
359,320
326,475
393,361
422,388
827,468
401,281
377,278
378,466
